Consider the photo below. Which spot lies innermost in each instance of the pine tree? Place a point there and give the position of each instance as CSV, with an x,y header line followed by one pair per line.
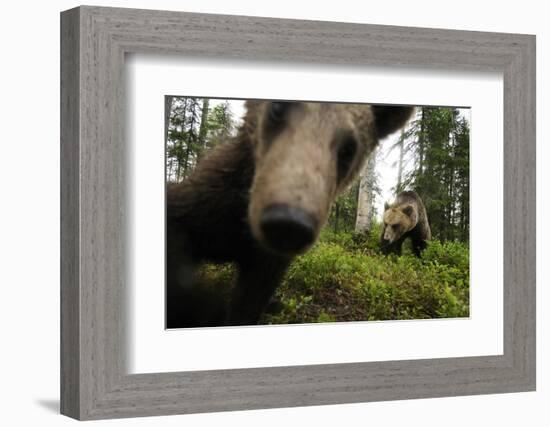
x,y
438,139
191,129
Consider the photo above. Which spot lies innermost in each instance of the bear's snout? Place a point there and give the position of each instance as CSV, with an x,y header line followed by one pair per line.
x,y
287,230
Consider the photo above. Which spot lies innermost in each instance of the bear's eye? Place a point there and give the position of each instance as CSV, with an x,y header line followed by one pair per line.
x,y
346,155
395,227
278,111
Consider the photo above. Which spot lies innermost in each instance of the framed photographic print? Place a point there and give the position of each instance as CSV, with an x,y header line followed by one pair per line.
x,y
262,213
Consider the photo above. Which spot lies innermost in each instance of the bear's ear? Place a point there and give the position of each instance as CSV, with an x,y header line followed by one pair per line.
x,y
408,210
386,206
388,118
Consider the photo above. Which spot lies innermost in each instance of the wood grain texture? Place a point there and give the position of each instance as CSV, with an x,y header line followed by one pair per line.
x,y
70,257
94,382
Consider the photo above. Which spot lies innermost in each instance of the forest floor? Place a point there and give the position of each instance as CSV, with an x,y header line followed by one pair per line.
x,y
344,277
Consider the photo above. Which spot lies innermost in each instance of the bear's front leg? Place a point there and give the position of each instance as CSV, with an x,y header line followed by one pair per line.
x,y
418,247
190,303
258,279
392,248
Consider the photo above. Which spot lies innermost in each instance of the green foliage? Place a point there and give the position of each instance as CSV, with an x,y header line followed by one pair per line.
x,y
217,274
439,139
368,243
344,210
194,127
345,278
220,124
453,254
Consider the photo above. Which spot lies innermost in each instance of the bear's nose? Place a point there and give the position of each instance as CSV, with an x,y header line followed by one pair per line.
x,y
286,229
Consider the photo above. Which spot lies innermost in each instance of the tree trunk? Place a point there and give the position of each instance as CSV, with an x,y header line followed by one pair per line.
x,y
365,201
180,142
203,129
400,165
167,113
421,145
191,135
336,216
167,110
465,216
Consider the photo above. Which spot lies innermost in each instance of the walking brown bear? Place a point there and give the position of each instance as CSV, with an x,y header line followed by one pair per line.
x,y
261,199
405,217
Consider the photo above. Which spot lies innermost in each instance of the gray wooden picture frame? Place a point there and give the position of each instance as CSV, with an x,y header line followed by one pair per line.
x,y
94,41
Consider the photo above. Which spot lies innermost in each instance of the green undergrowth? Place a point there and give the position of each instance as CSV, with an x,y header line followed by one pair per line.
x,y
344,277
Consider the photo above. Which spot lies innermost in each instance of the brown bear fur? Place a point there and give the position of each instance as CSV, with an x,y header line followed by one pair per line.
x,y
405,217
287,163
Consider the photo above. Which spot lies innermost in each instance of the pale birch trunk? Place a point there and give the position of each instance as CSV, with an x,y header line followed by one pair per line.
x,y
203,129
365,200
400,165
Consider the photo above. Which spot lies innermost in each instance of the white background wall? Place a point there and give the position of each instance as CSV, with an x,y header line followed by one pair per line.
x,y
29,213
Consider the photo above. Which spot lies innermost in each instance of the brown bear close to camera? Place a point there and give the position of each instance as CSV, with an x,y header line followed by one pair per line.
x,y
262,198
405,217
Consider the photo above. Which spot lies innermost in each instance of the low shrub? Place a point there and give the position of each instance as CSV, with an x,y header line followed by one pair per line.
x,y
344,277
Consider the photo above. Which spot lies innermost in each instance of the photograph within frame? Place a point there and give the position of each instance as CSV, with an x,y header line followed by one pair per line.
x,y
345,184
